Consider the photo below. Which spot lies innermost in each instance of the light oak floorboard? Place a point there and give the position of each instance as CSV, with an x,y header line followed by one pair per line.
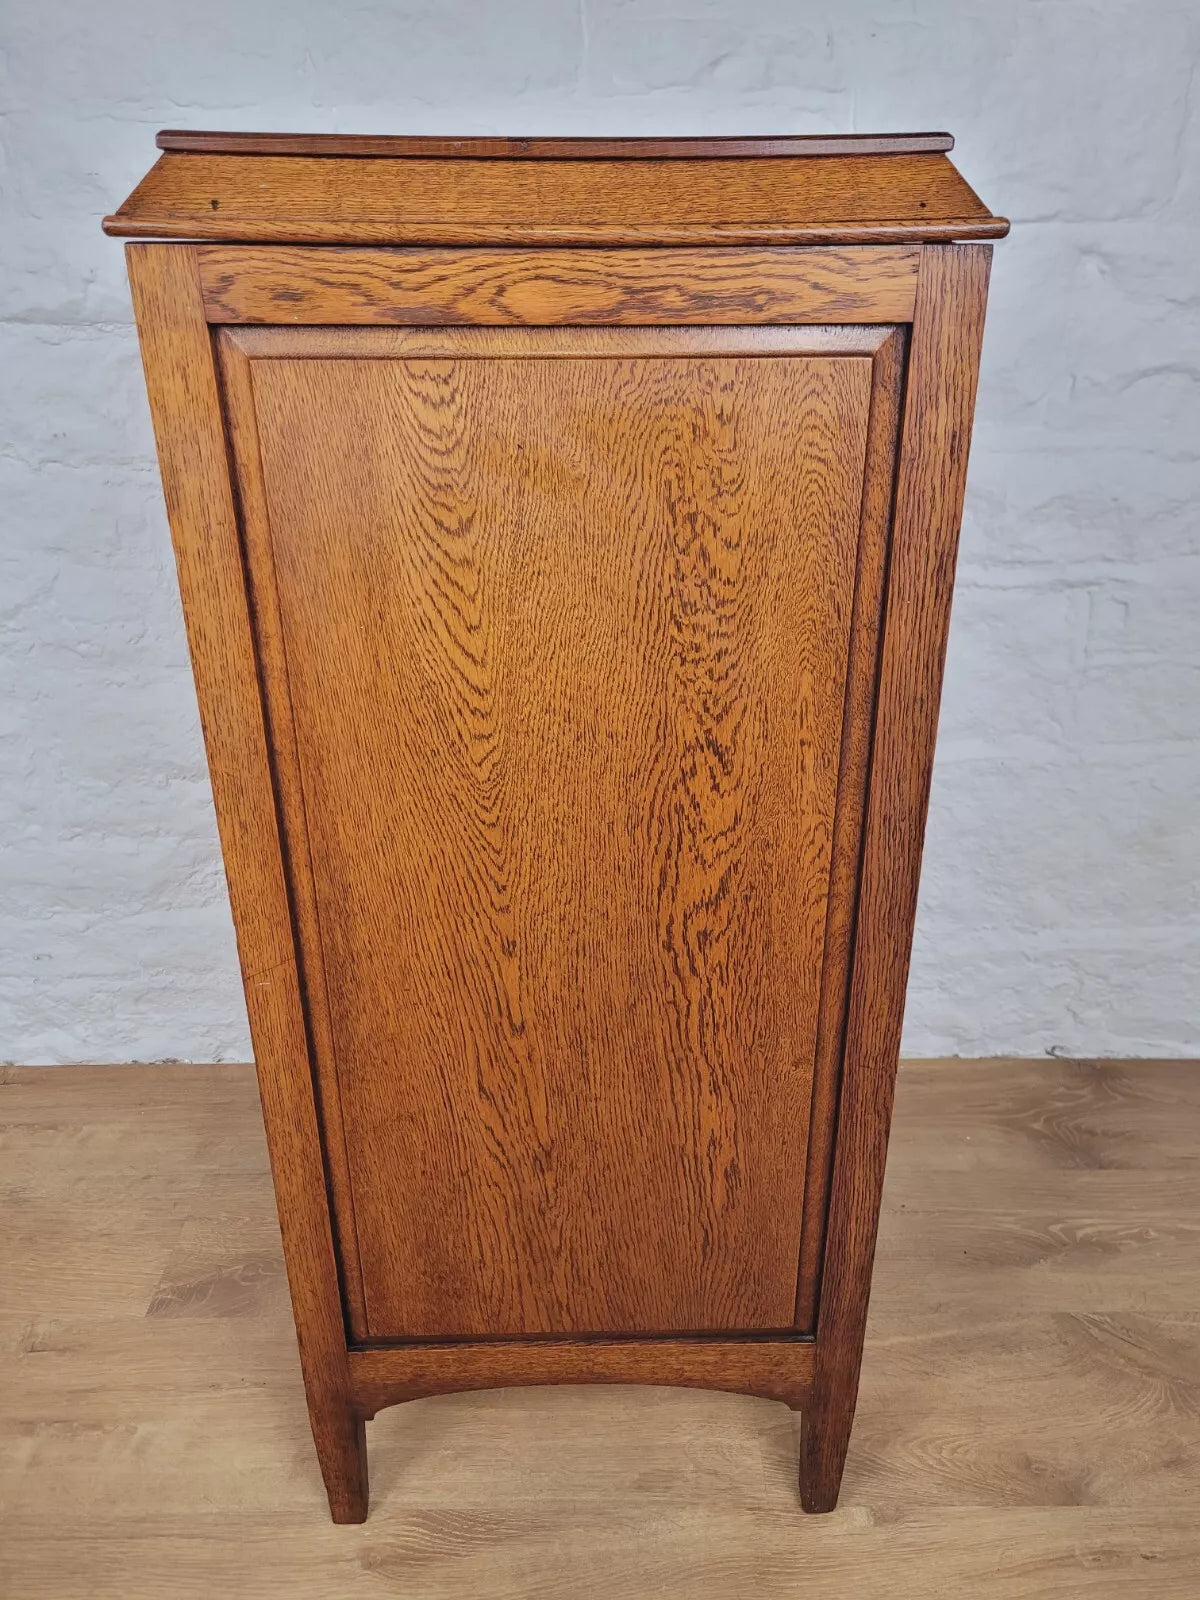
x,y
1028,1428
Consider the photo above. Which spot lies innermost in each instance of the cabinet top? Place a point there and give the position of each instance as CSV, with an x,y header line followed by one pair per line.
x,y
372,189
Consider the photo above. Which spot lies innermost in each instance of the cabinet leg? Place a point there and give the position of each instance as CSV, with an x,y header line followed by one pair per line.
x,y
824,1439
341,1441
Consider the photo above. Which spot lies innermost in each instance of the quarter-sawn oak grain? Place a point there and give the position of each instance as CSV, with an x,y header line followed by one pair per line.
x,y
586,628
885,348
568,628
280,285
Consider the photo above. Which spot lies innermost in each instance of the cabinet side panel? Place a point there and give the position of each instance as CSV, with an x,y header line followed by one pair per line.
x,y
939,402
567,644
184,400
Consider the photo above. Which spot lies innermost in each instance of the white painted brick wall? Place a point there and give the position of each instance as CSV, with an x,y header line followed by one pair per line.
x,y
1060,901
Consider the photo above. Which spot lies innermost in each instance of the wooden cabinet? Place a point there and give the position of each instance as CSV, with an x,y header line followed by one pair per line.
x,y
566,533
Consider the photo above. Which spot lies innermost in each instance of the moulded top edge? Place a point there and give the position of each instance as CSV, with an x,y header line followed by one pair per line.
x,y
334,189
403,146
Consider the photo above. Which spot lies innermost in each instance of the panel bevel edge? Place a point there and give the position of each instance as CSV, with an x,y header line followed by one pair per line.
x,y
381,343
251,508
883,440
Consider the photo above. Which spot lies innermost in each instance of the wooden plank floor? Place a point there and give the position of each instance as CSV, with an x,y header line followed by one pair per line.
x,y
1029,1424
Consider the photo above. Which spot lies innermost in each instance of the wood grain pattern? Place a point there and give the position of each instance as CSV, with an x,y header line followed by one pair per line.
x,y
565,732
558,149
184,401
940,396
851,199
886,346
1028,1427
282,285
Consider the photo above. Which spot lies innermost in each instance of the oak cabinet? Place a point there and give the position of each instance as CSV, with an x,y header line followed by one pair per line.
x,y
566,532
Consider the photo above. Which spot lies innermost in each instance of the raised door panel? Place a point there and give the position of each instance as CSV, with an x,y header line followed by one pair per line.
x,y
561,627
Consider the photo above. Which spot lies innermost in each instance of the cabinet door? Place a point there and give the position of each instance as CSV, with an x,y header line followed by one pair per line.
x,y
555,629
